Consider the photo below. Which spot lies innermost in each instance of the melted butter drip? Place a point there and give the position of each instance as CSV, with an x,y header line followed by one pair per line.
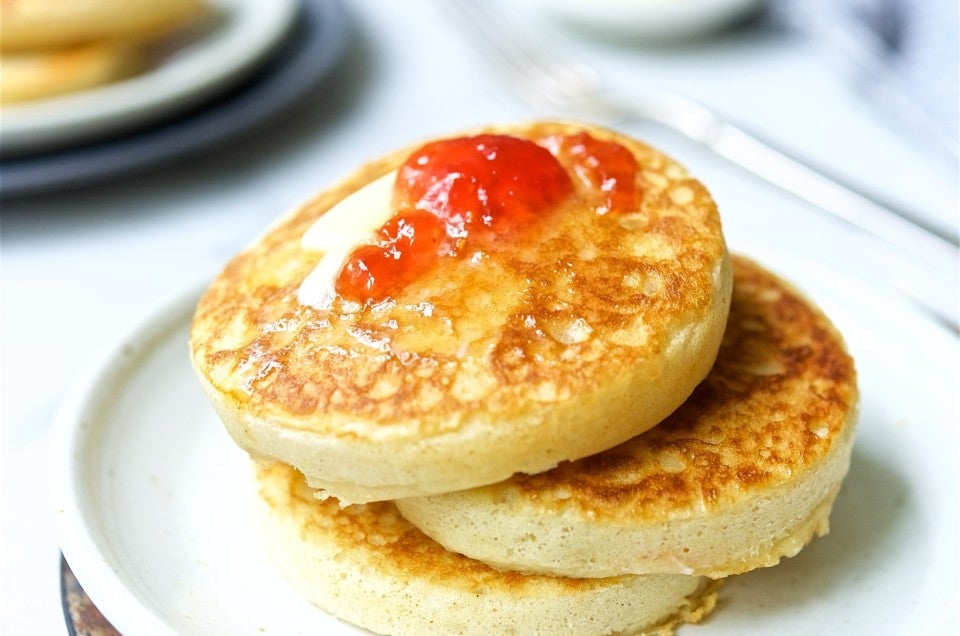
x,y
348,224
254,368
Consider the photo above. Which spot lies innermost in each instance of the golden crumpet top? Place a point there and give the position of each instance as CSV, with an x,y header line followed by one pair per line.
x,y
551,343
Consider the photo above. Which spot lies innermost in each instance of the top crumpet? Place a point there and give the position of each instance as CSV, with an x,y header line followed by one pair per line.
x,y
477,306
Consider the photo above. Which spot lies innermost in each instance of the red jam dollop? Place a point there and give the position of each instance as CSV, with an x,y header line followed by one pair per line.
x,y
405,246
450,195
604,167
483,185
455,196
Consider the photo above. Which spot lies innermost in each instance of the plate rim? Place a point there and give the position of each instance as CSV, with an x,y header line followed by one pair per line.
x,y
206,67
77,543
653,20
106,586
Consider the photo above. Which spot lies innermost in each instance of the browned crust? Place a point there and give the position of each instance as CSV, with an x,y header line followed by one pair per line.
x,y
388,541
778,399
359,547
489,342
744,473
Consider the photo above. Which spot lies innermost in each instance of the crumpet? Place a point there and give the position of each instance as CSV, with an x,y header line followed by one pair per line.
x,y
572,334
47,24
369,566
741,475
29,76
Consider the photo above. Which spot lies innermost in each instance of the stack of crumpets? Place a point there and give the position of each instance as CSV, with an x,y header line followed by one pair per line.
x,y
512,382
52,47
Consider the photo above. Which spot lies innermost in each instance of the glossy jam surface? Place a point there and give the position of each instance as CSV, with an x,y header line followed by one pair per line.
x,y
456,197
405,246
489,184
606,168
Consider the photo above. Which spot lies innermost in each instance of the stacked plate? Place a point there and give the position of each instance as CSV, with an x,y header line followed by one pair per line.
x,y
255,60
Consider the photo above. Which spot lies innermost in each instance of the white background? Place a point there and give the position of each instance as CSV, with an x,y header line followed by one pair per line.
x,y
80,269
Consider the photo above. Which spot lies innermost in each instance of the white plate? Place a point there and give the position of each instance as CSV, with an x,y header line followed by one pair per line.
x,y
650,19
156,508
244,34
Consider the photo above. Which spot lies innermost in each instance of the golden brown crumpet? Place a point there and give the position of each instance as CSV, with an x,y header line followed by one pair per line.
x,y
744,473
29,76
565,340
367,565
44,24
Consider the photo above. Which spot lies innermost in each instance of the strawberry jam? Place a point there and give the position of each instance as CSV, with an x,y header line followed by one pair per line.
x,y
455,196
482,185
606,168
404,247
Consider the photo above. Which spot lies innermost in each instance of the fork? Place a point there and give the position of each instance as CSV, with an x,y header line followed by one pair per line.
x,y
545,79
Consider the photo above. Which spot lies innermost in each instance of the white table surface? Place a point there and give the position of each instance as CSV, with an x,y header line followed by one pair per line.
x,y
79,269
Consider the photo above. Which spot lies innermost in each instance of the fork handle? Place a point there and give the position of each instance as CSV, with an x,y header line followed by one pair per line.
x,y
896,226
926,243
936,291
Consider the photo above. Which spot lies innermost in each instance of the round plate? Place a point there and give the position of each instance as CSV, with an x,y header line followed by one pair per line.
x,y
302,60
243,34
158,503
650,19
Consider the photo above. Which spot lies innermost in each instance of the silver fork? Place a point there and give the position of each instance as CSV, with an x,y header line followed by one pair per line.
x,y
545,79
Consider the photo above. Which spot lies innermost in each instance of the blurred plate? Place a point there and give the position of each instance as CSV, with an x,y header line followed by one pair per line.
x,y
158,520
650,19
243,33
302,59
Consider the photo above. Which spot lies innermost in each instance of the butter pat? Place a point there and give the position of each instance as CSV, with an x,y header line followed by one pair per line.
x,y
344,227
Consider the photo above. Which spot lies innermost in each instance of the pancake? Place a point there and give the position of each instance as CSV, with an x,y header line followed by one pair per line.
x,y
743,474
545,345
29,76
367,565
30,25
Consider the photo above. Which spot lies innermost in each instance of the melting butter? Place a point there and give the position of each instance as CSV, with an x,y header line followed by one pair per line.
x,y
347,225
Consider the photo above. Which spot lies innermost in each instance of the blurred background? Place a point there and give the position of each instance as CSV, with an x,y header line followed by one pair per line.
x,y
135,173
